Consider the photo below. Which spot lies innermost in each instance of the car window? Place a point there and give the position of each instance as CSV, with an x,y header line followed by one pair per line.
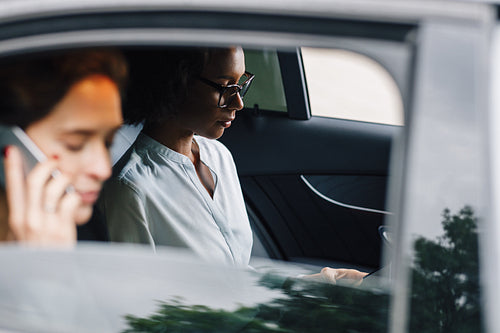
x,y
446,174
348,85
267,91
285,290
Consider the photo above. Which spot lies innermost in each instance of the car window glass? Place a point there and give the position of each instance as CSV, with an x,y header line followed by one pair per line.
x,y
267,89
446,186
348,85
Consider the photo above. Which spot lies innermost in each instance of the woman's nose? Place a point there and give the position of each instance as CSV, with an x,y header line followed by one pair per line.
x,y
237,102
100,165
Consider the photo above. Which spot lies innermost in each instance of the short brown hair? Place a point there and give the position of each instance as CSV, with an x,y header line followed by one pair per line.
x,y
30,87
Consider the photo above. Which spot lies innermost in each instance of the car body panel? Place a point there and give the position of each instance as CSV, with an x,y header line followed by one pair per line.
x,y
71,290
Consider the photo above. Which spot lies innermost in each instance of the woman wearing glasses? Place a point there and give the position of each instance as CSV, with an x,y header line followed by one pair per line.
x,y
177,185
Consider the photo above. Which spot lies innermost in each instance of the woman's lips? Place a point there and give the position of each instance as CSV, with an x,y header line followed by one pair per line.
x,y
225,123
89,197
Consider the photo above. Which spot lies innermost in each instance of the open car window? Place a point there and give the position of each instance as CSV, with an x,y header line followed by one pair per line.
x,y
305,235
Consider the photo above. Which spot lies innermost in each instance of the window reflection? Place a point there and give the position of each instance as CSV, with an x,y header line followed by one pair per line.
x,y
304,307
445,282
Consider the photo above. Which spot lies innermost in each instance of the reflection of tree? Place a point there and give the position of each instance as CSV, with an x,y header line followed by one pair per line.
x,y
177,317
305,307
445,285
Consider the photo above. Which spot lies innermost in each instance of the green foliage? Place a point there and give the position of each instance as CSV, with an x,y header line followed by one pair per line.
x,y
317,307
176,317
305,307
445,280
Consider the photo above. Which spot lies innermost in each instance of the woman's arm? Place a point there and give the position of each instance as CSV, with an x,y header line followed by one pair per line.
x,y
332,275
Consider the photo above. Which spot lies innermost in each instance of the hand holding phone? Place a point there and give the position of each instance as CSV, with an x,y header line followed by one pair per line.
x,y
41,210
29,150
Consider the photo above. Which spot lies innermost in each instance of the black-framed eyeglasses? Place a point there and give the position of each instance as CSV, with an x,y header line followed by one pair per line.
x,y
228,93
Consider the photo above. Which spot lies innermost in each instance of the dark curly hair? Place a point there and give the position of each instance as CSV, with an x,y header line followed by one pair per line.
x,y
30,87
160,82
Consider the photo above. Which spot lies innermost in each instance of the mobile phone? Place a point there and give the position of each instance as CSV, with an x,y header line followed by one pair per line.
x,y
31,153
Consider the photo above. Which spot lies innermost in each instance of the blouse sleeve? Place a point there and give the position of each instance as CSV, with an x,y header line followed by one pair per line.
x,y
125,214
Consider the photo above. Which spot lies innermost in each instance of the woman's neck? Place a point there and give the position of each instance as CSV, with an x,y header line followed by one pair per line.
x,y
182,142
173,137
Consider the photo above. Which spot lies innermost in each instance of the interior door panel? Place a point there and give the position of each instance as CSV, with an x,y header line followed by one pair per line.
x,y
272,143
347,188
346,161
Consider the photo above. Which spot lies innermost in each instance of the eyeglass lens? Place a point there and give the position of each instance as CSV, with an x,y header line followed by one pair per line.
x,y
230,92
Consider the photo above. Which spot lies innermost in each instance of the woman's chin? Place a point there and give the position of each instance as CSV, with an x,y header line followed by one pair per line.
x,y
83,214
214,135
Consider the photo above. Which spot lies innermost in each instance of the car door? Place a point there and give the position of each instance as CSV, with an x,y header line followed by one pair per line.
x,y
296,167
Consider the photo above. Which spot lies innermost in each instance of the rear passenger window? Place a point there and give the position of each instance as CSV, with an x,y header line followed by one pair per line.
x,y
347,85
267,89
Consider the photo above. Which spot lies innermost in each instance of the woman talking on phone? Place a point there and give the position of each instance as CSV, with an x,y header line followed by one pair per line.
x,y
69,105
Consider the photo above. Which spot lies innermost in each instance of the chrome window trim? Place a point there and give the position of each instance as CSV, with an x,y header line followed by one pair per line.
x,y
489,249
338,203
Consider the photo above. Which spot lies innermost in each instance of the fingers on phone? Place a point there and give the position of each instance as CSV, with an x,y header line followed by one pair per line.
x,y
15,188
68,206
44,191
59,199
36,182
54,191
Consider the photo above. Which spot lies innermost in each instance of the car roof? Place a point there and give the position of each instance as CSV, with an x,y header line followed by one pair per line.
x,y
394,10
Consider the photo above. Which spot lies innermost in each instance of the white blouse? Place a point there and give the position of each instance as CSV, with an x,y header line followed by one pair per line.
x,y
158,199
